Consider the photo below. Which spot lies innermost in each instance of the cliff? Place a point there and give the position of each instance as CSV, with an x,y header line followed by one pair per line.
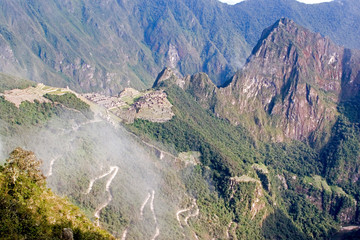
x,y
290,86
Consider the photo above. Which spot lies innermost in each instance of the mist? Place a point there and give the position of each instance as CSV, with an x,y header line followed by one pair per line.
x,y
109,172
1,151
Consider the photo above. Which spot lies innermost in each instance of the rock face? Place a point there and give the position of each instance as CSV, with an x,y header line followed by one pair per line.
x,y
285,76
67,234
292,82
296,77
114,44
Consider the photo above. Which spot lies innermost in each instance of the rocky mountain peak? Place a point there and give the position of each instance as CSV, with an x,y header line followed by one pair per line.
x,y
166,75
286,75
283,24
293,82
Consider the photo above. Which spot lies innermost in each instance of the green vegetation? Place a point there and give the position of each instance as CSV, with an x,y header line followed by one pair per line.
x,y
29,210
351,109
69,100
27,114
278,225
228,151
36,114
267,190
295,157
341,156
314,223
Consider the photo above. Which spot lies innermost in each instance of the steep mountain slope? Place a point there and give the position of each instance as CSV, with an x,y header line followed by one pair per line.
x,y
295,76
293,81
133,187
108,45
263,185
296,84
31,211
93,46
226,162
216,181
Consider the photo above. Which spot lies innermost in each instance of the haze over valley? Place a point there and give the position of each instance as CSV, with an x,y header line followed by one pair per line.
x,y
179,119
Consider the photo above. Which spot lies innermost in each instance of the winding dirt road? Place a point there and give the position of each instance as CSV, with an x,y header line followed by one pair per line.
x,y
151,197
186,219
113,171
124,234
51,166
157,230
92,181
189,215
143,206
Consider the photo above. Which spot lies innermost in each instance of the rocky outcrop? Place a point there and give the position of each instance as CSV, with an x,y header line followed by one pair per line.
x,y
290,86
168,75
67,234
293,75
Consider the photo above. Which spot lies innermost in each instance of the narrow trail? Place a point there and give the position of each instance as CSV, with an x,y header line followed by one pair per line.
x,y
51,166
124,234
75,128
157,233
231,229
113,171
157,230
150,197
196,236
162,153
197,211
180,212
143,206
92,181
189,215
152,206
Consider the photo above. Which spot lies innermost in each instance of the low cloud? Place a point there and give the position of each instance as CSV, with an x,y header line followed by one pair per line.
x,y
101,167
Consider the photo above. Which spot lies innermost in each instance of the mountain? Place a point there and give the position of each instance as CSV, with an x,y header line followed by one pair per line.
x,y
336,19
272,153
193,176
107,46
293,81
289,119
93,46
295,76
126,184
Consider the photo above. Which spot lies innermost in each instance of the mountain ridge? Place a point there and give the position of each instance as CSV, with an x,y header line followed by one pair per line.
x,y
293,80
129,44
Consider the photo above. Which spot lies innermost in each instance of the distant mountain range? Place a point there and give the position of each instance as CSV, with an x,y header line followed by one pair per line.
x,y
264,143
271,154
108,45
